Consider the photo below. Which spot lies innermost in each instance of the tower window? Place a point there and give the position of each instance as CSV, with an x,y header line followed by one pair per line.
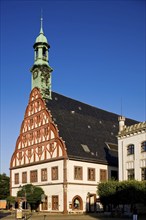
x,y
44,52
37,53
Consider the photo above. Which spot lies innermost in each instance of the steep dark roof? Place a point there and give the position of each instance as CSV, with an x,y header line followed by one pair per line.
x,y
89,133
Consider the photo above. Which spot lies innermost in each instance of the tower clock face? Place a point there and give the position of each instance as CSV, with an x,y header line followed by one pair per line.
x,y
35,74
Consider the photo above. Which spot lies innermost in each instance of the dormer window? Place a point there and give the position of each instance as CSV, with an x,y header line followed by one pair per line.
x,y
130,149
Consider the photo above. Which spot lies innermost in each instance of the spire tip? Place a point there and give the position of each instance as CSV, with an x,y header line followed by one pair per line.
x,y
41,30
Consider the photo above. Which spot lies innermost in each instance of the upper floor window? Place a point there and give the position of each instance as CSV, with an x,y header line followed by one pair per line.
x,y
103,175
33,176
91,174
24,177
16,178
143,146
130,149
130,174
44,174
78,173
54,173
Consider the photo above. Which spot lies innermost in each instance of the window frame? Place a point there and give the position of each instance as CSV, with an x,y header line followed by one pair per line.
x,y
130,174
44,174
24,177
78,173
103,175
143,173
54,173
16,178
33,176
89,174
143,146
130,149
55,202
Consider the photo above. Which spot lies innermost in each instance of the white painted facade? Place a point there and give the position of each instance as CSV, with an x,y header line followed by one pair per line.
x,y
75,188
136,159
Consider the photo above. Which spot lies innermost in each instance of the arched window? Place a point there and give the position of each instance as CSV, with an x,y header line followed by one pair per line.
x,y
143,146
130,149
77,203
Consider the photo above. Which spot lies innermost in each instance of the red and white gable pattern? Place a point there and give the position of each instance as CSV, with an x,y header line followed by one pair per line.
x,y
39,138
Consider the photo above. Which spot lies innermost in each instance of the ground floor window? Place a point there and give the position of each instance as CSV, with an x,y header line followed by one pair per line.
x,y
143,174
55,203
130,174
77,203
45,204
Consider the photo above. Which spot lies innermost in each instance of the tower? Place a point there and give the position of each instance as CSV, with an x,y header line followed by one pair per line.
x,y
41,71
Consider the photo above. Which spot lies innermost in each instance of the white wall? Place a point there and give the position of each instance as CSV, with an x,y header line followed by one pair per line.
x,y
135,161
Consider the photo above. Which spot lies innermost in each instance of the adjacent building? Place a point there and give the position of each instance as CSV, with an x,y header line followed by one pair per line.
x,y
132,150
65,146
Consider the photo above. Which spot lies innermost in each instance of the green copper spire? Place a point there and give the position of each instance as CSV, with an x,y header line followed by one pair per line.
x,y
41,71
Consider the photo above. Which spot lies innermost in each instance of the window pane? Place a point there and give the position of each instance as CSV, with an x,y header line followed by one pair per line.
x,y
33,176
91,174
143,146
143,174
103,175
54,173
16,178
24,177
130,174
78,173
44,174
54,202
130,149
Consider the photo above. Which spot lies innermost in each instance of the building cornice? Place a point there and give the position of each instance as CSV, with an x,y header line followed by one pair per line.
x,y
132,130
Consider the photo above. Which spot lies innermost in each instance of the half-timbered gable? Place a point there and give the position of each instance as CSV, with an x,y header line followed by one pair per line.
x,y
39,138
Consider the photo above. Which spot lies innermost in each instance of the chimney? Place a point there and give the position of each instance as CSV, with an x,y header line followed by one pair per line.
x,y
121,120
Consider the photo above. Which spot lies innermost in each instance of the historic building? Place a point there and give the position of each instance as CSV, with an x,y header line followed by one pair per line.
x,y
132,151
64,146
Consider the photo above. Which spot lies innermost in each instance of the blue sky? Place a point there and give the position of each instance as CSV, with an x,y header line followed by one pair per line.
x,y
97,54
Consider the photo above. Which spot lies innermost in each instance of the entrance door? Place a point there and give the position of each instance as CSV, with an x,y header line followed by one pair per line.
x,y
91,203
